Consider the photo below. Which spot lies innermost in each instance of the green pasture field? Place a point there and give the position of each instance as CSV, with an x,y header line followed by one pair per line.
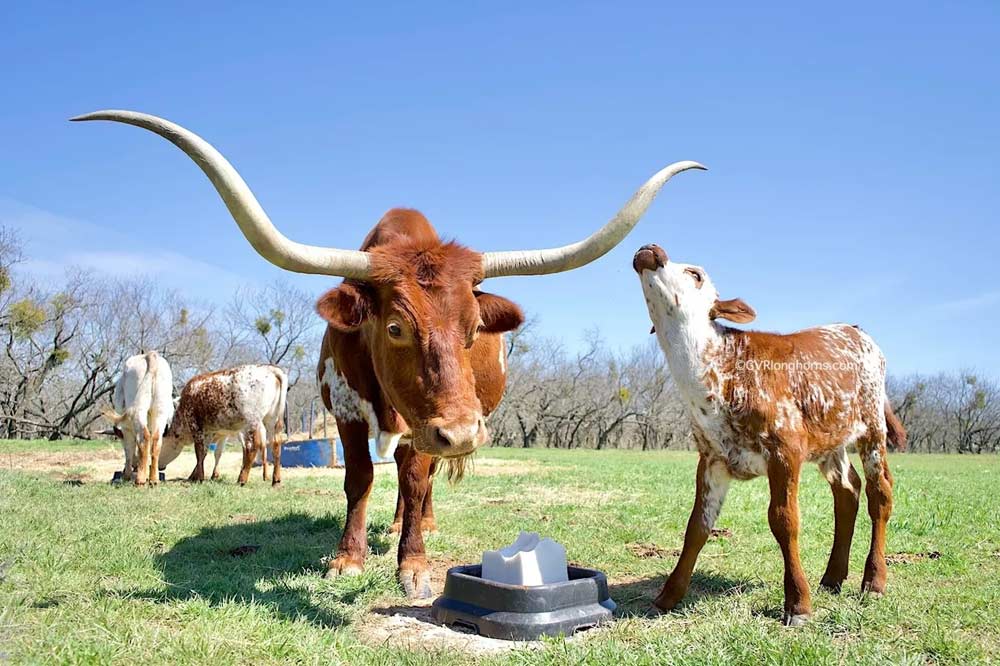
x,y
92,573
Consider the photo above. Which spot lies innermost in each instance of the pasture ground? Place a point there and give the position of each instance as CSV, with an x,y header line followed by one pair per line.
x,y
91,573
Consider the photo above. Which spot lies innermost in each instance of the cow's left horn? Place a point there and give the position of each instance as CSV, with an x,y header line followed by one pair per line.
x,y
568,257
244,207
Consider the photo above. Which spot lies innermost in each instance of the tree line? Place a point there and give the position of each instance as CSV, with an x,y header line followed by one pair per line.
x,y
598,398
64,346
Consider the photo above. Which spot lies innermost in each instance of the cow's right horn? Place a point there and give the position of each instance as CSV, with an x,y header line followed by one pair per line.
x,y
244,207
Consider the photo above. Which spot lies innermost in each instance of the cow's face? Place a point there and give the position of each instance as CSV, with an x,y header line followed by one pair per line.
x,y
420,316
682,294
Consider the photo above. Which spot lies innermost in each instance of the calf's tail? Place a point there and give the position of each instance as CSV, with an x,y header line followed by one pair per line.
x,y
895,432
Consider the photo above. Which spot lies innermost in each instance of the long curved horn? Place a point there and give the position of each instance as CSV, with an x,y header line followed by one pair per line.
x,y
568,257
244,207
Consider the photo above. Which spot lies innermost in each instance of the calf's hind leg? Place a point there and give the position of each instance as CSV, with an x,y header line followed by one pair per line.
x,y
846,486
878,488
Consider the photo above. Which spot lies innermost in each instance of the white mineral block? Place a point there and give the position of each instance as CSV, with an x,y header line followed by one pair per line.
x,y
530,560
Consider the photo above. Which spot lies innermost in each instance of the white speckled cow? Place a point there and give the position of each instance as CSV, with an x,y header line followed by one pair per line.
x,y
762,404
247,402
143,406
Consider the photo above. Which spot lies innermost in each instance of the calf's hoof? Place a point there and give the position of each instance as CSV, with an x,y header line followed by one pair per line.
x,y
668,599
396,527
428,525
831,585
416,581
344,565
795,619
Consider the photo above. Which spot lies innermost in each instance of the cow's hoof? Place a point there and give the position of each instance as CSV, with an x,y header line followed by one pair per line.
x,y
416,581
343,565
396,527
795,620
429,525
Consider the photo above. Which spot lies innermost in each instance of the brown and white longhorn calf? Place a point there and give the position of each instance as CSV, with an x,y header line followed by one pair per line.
x,y
762,404
247,402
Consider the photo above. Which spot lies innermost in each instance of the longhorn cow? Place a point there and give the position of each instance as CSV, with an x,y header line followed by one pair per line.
x,y
412,345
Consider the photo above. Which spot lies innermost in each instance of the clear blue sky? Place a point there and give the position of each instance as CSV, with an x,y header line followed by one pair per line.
x,y
852,149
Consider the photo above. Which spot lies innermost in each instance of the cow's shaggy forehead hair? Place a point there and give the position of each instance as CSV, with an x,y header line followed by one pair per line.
x,y
426,263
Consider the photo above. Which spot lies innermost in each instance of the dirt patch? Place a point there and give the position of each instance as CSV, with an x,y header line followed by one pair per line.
x,y
911,558
496,467
244,550
243,518
549,496
652,551
720,533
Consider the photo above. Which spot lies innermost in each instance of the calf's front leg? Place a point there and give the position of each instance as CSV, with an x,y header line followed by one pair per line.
x,y
783,517
711,485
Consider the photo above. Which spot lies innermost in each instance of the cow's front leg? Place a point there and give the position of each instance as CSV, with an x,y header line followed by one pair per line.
x,y
710,492
128,444
783,517
414,481
358,476
219,446
200,451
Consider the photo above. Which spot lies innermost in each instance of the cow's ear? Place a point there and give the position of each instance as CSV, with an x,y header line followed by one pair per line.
x,y
498,314
733,310
346,307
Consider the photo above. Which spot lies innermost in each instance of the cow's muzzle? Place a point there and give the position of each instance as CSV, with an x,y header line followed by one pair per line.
x,y
451,439
649,258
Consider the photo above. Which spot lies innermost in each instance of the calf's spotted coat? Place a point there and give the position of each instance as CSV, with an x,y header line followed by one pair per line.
x,y
763,404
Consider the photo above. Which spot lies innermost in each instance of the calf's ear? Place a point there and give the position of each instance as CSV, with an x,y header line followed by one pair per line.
x,y
498,314
733,310
345,308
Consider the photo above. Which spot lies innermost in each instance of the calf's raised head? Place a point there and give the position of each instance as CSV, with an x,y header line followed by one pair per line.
x,y
682,295
413,297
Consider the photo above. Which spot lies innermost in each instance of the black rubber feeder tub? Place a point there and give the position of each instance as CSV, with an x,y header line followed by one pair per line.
x,y
523,612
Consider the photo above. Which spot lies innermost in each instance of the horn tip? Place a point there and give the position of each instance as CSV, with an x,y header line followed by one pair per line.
x,y
93,115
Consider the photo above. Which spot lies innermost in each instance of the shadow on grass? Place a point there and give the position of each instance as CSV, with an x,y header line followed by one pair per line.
x,y
256,563
635,598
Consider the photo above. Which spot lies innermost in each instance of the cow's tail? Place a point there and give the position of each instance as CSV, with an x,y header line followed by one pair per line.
x,y
895,432
143,393
279,423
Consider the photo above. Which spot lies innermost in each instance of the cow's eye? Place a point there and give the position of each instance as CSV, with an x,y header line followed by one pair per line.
x,y
394,330
699,278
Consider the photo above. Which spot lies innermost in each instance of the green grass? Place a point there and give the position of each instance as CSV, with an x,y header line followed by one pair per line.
x,y
101,574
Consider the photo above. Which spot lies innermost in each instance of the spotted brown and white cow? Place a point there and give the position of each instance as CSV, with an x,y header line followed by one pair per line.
x,y
763,404
412,345
246,402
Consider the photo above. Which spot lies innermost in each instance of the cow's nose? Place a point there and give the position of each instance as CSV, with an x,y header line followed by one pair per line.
x,y
461,437
649,258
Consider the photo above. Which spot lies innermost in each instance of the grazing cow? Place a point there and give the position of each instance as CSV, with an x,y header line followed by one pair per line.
x,y
143,406
762,404
412,345
246,402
